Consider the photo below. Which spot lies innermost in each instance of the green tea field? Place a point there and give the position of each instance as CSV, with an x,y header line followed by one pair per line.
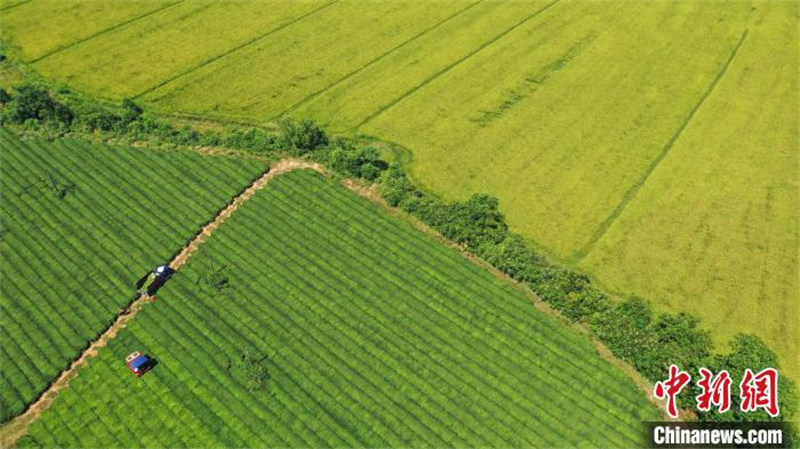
x,y
312,318
79,224
652,144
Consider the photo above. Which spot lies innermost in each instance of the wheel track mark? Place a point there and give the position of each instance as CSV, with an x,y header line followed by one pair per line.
x,y
7,8
316,94
578,256
451,66
102,32
234,49
18,426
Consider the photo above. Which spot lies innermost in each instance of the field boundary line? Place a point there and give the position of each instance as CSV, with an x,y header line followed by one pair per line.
x,y
375,60
633,191
18,426
451,66
102,32
234,49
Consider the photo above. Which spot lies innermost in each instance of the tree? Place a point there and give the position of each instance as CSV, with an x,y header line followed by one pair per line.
x,y
34,103
362,163
474,222
304,136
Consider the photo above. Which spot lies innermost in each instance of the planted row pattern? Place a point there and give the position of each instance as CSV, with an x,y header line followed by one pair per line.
x,y
375,334
78,224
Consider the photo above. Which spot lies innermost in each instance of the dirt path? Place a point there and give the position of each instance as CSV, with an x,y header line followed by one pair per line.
x,y
18,427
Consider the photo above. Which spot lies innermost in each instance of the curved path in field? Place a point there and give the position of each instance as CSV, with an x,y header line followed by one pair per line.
x,y
18,426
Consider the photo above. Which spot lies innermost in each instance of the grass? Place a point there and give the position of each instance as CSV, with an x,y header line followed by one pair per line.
x,y
372,334
79,224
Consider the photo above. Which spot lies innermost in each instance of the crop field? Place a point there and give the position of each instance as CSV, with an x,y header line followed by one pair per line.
x,y
63,24
370,334
231,22
597,124
721,212
79,224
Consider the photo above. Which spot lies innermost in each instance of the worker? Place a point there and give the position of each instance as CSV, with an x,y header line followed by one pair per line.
x,y
151,282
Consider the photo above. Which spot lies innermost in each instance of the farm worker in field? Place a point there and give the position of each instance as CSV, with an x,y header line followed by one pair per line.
x,y
151,282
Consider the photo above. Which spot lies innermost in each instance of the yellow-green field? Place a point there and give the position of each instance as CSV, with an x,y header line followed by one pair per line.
x,y
653,144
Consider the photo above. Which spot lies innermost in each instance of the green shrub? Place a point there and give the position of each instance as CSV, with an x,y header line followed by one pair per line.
x,y
513,257
681,341
252,139
396,188
251,368
474,222
304,136
131,110
651,344
625,329
5,97
34,103
362,163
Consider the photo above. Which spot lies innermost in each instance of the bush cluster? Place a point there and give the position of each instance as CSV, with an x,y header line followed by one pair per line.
x,y
357,163
31,105
251,367
474,223
304,136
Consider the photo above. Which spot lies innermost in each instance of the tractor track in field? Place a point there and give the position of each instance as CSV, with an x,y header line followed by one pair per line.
x,y
17,427
102,32
453,65
372,62
8,8
252,40
633,191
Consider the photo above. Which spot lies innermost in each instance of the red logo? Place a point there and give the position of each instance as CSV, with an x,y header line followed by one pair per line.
x,y
757,391
670,388
716,390
760,391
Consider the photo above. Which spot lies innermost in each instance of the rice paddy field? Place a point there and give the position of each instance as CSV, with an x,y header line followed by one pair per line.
x,y
79,224
370,333
651,144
